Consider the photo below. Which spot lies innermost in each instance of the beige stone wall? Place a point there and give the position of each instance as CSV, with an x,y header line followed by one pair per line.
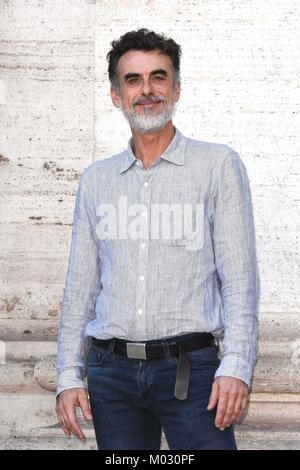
x,y
239,86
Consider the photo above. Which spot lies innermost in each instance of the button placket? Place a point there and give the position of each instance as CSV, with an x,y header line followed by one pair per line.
x,y
145,177
141,294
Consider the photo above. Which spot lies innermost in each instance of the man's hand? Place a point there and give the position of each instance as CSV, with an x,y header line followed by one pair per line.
x,y
65,409
231,394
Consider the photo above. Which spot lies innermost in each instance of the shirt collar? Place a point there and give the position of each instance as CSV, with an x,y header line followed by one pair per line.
x,y
173,153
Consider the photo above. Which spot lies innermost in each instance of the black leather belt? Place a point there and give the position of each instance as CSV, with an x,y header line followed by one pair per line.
x,y
155,349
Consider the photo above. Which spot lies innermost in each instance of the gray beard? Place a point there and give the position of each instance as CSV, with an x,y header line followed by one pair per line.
x,y
149,122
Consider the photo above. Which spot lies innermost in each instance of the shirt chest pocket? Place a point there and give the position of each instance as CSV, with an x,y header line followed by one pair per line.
x,y
187,230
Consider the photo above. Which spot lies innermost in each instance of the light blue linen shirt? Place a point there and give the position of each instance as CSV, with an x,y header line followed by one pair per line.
x,y
153,287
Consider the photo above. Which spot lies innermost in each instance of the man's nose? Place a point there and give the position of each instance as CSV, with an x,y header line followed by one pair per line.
x,y
146,87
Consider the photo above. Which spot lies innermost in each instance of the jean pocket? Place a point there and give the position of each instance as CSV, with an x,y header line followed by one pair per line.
x,y
97,356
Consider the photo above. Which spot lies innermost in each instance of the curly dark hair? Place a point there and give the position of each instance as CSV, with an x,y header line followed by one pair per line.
x,y
142,40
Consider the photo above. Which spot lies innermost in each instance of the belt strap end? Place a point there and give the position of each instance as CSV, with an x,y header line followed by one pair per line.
x,y
182,375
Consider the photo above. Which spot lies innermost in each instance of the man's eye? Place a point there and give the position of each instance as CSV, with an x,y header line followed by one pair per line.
x,y
132,80
158,77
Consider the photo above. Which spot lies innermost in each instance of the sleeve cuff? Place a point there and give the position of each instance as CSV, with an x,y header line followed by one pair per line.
x,y
69,378
233,366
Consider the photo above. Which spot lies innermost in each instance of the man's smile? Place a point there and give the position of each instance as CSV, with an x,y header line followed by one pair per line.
x,y
148,103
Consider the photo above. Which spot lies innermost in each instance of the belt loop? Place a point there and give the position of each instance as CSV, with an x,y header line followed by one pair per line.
x,y
111,346
167,351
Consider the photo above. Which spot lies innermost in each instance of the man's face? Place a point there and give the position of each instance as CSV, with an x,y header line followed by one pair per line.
x,y
147,94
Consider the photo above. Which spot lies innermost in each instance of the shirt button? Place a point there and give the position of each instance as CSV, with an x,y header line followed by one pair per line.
x,y
142,278
145,214
140,311
146,184
143,245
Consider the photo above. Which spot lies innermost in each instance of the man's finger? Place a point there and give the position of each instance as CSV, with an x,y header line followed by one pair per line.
x,y
85,407
228,416
73,424
238,409
243,406
221,410
213,399
63,420
64,425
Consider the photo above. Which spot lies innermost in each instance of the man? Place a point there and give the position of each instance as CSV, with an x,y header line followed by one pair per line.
x,y
147,298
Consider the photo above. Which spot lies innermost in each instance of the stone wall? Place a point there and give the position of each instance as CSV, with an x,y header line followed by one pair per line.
x,y
239,87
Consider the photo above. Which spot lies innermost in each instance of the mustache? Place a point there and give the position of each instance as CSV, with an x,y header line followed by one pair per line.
x,y
151,99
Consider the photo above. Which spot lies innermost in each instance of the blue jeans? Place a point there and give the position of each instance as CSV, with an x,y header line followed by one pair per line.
x,y
132,400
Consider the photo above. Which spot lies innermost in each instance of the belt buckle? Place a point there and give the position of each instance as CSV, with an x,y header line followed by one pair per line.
x,y
136,350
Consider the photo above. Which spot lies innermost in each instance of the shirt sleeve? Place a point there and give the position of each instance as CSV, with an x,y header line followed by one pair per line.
x,y
236,264
82,286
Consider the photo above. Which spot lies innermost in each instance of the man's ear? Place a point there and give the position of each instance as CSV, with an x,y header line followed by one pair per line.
x,y
177,91
116,99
